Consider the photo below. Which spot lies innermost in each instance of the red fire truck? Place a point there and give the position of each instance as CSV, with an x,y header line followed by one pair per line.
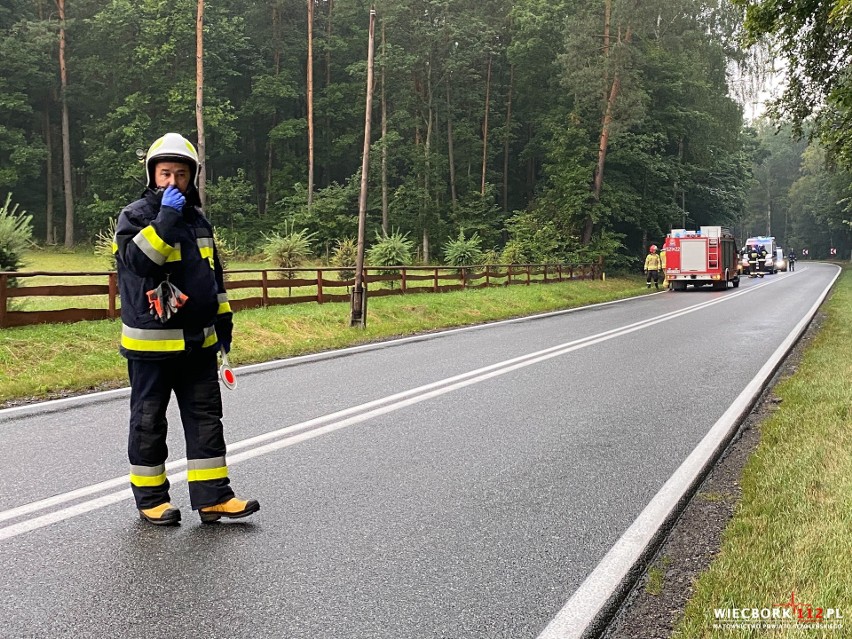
x,y
700,258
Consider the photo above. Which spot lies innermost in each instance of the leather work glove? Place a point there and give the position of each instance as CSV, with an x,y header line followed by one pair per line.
x,y
173,198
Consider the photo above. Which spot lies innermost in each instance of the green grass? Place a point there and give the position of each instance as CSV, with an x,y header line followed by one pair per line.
x,y
792,530
657,577
45,360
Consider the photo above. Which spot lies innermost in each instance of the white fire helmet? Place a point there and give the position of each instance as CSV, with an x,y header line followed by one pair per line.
x,y
172,147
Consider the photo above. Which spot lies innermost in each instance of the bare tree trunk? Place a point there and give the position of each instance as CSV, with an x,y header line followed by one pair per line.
x,y
427,178
310,102
199,103
48,141
328,47
357,318
451,156
507,139
270,153
606,125
385,220
485,126
66,132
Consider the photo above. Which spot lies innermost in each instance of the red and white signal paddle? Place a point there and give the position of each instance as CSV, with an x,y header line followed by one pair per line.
x,y
225,373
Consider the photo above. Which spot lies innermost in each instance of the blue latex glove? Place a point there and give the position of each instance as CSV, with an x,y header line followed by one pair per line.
x,y
173,198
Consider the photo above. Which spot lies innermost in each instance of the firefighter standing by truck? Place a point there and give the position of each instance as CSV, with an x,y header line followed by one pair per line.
x,y
174,313
653,266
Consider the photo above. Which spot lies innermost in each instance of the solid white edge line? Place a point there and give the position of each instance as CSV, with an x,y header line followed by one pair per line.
x,y
582,615
559,349
406,398
54,405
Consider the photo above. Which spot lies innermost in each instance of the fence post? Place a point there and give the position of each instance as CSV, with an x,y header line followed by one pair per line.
x,y
113,285
435,288
509,275
570,272
4,283
464,278
559,271
545,274
319,286
528,274
264,295
487,275
403,285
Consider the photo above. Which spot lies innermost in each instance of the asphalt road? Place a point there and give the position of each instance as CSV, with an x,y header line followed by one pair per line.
x,y
460,484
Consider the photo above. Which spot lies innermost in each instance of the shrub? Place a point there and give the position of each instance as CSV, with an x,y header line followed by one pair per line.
x,y
463,252
344,256
226,250
290,249
104,241
16,233
514,253
391,250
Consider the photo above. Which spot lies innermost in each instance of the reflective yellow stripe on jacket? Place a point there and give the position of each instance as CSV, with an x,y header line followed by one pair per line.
x,y
152,245
224,305
157,341
210,338
205,246
206,469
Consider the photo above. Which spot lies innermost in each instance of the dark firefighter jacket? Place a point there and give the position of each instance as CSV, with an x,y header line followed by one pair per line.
x,y
153,244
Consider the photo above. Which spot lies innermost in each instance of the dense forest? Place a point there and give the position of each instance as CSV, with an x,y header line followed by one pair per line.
x,y
550,129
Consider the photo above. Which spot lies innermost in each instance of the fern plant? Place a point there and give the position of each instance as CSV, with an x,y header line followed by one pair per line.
x,y
290,249
16,234
390,250
463,252
104,241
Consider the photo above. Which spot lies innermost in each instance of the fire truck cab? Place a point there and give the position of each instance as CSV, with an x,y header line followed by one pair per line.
x,y
708,256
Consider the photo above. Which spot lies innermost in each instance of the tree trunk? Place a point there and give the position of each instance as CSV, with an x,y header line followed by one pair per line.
x,y
270,154
427,178
199,103
48,142
485,126
606,124
385,220
66,132
507,139
451,156
357,318
310,102
328,46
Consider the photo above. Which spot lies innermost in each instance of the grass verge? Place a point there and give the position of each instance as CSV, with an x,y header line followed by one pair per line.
x,y
55,359
791,530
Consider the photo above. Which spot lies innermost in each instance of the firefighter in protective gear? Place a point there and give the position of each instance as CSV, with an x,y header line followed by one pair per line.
x,y
165,237
666,283
653,266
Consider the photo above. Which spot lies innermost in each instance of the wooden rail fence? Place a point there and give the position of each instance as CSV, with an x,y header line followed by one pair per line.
x,y
399,280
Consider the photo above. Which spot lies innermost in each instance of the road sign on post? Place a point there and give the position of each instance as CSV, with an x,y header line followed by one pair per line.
x,y
832,251
804,251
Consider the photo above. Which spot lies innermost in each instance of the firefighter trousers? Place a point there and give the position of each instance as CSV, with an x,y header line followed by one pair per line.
x,y
193,378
